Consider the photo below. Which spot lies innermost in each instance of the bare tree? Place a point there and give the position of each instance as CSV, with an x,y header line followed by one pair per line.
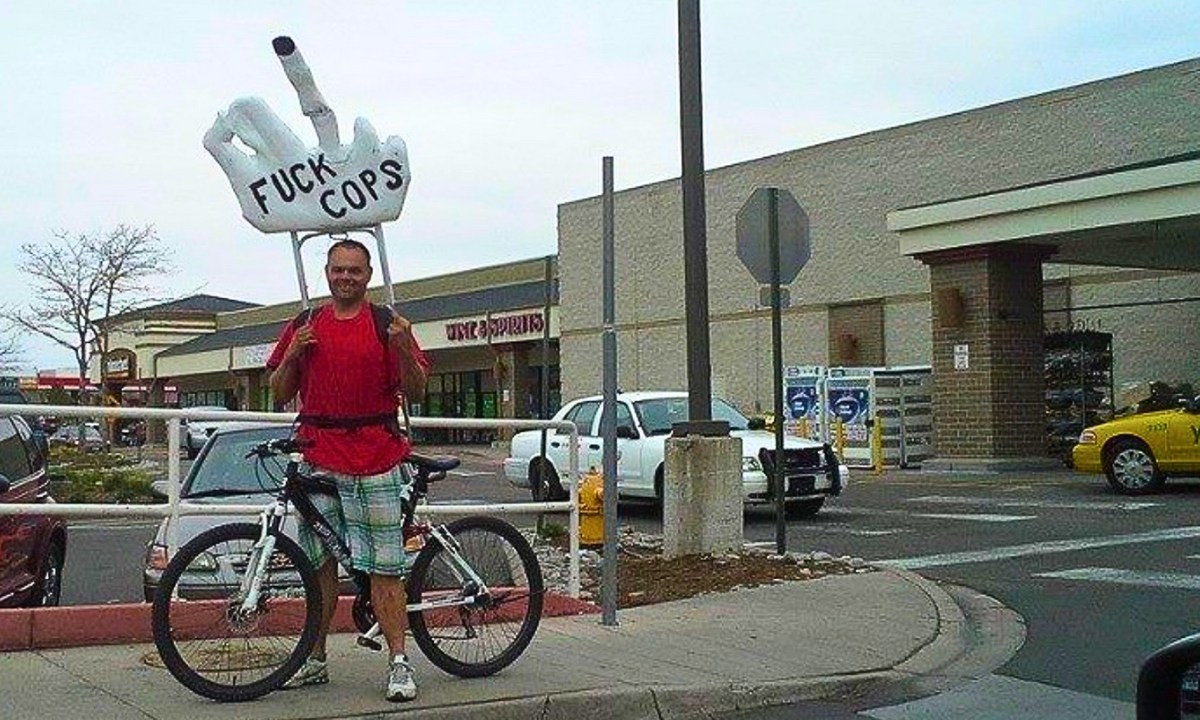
x,y
11,356
81,280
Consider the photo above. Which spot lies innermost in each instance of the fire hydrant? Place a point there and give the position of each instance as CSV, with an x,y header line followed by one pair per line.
x,y
591,508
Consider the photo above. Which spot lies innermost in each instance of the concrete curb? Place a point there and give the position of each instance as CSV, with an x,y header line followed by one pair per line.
x,y
127,623
950,646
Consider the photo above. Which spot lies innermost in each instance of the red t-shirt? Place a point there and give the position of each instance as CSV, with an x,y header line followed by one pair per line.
x,y
347,373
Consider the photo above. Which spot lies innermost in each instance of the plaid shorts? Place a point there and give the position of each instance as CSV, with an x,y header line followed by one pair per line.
x,y
368,515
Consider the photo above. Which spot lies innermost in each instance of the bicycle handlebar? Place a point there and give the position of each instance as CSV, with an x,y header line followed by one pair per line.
x,y
278,446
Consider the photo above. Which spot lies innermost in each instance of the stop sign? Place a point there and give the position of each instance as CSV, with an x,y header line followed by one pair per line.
x,y
754,235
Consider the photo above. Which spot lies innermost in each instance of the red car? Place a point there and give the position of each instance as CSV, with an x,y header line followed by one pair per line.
x,y
32,547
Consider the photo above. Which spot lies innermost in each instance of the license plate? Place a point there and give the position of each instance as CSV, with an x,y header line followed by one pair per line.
x,y
800,486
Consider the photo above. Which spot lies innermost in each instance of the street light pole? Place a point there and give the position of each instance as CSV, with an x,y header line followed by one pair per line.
x,y
695,253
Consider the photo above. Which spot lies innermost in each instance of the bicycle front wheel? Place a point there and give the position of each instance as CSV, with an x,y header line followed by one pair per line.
x,y
211,643
487,633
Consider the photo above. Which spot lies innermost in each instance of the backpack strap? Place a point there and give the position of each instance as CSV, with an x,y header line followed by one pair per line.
x,y
383,318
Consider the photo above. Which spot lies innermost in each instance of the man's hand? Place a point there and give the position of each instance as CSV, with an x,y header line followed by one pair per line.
x,y
399,330
302,340
284,186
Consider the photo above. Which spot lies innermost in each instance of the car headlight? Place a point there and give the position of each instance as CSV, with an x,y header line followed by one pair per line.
x,y
751,464
156,557
1087,437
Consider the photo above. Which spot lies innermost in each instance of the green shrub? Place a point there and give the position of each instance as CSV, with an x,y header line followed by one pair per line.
x,y
551,531
98,478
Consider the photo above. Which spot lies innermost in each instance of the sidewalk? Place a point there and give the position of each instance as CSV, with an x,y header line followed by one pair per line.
x,y
873,632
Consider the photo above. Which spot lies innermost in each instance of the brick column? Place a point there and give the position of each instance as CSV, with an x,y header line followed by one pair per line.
x,y
989,415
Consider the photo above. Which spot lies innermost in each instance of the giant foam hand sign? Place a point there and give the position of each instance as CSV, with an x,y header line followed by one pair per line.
x,y
284,186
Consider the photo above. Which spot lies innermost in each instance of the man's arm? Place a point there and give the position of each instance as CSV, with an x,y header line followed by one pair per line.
x,y
285,378
410,361
285,381
412,371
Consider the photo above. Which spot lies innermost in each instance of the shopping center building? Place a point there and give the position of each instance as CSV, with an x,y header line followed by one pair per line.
x,y
956,243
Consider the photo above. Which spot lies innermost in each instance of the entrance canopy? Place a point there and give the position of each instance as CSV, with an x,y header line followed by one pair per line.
x,y
1145,216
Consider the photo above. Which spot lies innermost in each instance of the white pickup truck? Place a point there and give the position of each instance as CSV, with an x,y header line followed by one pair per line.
x,y
813,471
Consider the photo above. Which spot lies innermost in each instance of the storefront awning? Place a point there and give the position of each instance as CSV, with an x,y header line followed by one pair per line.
x,y
1143,216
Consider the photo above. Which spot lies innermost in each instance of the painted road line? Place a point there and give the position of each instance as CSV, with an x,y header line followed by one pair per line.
x,y
1041,548
1047,504
1140,578
470,473
852,531
976,517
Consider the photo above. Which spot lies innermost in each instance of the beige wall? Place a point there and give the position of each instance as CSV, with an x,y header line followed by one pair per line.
x,y
847,188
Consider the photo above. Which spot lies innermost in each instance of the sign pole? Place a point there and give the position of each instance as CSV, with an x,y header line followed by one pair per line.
x,y
296,243
777,353
608,421
377,231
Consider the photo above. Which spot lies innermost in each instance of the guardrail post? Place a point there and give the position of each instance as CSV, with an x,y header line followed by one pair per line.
x,y
573,545
173,485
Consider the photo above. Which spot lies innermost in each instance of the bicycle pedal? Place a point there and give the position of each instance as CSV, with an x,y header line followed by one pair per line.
x,y
369,643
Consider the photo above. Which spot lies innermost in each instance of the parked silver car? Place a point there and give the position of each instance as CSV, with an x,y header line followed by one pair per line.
x,y
221,467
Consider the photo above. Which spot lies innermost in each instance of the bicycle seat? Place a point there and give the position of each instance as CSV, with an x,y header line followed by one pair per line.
x,y
434,463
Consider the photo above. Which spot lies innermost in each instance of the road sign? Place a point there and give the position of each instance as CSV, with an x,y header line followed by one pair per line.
x,y
754,235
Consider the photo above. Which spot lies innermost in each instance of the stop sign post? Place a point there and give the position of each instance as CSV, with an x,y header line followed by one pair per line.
x,y
773,244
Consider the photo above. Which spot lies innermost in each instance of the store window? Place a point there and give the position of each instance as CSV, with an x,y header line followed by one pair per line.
x,y
534,394
207,398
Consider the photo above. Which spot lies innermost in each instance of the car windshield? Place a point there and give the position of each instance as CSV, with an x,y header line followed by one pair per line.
x,y
225,466
658,415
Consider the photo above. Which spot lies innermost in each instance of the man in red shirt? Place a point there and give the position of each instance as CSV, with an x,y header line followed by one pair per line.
x,y
348,382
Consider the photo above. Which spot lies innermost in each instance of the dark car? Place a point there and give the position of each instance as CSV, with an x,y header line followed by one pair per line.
x,y
93,440
33,548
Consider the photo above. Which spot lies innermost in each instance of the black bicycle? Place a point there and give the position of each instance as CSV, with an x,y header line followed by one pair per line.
x,y
236,612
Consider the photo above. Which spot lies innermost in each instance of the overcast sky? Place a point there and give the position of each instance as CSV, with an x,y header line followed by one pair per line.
x,y
506,107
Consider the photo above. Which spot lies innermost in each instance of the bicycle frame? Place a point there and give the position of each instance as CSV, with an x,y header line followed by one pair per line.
x,y
271,523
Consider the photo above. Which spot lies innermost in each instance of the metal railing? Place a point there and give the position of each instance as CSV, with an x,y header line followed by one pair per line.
x,y
174,508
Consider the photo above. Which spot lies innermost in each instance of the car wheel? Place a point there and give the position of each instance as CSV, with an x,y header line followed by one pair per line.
x,y
48,590
799,509
1131,469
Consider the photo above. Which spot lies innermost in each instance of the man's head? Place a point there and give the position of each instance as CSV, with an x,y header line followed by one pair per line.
x,y
348,271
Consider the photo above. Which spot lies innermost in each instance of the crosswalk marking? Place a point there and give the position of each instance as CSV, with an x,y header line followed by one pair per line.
x,y
1143,578
975,517
1041,548
1048,504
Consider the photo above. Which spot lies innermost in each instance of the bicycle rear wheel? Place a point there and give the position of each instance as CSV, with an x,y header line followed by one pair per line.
x,y
208,642
486,635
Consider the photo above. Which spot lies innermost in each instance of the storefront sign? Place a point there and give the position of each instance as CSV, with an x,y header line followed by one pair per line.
x,y
283,186
120,365
256,355
507,326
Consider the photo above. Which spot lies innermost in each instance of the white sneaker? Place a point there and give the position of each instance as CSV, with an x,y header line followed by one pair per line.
x,y
312,672
401,685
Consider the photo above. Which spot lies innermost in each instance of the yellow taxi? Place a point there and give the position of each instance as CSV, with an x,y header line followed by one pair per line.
x,y
1137,452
